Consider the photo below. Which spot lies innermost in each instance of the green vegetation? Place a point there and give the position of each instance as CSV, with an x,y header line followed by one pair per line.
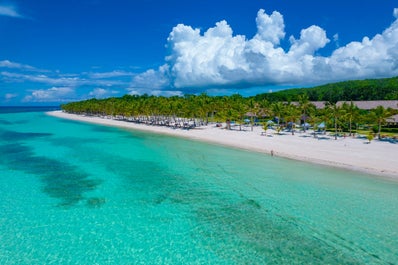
x,y
369,137
370,89
235,110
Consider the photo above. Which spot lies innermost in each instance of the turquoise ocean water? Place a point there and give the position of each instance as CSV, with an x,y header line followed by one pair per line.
x,y
75,193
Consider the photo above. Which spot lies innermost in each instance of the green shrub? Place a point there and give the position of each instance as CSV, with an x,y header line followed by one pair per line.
x,y
389,130
370,137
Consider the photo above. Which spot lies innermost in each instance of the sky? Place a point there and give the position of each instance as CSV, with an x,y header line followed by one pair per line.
x,y
53,52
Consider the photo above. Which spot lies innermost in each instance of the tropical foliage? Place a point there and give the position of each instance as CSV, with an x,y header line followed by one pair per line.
x,y
236,110
370,89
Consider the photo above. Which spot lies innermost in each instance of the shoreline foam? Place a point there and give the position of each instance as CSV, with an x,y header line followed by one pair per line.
x,y
378,158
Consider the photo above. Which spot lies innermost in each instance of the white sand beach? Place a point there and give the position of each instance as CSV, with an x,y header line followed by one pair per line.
x,y
378,157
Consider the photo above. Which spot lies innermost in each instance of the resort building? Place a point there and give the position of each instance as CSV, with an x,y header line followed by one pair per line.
x,y
364,105
372,104
392,121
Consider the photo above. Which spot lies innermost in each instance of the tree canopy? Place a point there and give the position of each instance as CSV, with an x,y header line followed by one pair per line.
x,y
369,89
277,106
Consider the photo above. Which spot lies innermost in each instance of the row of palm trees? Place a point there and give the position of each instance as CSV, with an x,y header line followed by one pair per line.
x,y
203,109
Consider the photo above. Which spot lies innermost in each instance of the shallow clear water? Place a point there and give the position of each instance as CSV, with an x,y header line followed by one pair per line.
x,y
75,193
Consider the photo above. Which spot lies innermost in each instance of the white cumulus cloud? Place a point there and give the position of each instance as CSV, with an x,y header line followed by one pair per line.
x,y
98,93
14,65
217,58
376,57
54,94
56,79
197,60
156,92
157,79
270,28
101,92
311,39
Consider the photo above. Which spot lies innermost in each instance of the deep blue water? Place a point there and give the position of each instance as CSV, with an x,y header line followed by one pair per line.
x,y
12,109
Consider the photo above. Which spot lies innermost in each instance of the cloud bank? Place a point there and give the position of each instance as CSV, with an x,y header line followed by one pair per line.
x,y
53,86
217,58
54,94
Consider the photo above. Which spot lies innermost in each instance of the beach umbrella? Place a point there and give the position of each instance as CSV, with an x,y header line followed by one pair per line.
x,y
321,125
270,122
246,120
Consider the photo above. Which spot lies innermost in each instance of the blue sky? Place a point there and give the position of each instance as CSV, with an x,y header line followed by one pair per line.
x,y
53,52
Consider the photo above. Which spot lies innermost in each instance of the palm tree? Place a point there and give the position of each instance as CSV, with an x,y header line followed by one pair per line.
x,y
351,113
304,105
239,108
204,102
278,109
225,111
292,114
253,109
315,119
335,112
264,108
380,114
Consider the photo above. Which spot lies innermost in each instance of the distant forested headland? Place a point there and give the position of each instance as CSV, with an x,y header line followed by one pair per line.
x,y
369,89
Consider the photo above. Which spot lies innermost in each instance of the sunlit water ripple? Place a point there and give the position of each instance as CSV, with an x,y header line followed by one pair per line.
x,y
74,193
